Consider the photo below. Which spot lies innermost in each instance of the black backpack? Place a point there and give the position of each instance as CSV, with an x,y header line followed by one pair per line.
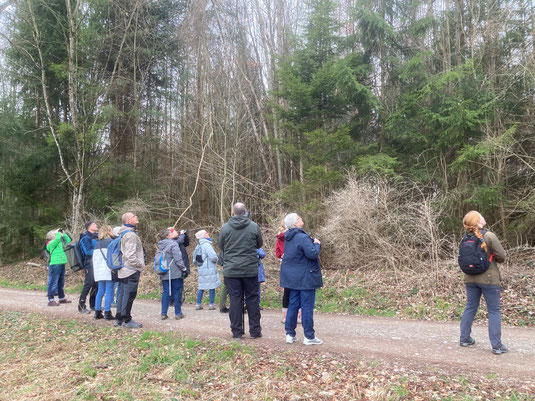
x,y
472,258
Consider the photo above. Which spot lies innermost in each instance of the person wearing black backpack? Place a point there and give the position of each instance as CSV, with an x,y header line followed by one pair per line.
x,y
486,283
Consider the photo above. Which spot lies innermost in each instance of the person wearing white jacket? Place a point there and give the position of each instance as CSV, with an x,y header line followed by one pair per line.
x,y
102,274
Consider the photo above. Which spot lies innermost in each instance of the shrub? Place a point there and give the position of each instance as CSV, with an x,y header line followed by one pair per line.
x,y
375,224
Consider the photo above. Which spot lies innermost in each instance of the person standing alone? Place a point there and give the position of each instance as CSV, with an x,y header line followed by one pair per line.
x,y
239,239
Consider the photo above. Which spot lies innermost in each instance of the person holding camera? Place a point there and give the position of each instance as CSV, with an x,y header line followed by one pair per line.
x,y
173,279
56,266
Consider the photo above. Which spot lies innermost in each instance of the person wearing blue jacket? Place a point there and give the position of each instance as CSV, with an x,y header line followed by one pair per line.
x,y
260,254
301,274
87,244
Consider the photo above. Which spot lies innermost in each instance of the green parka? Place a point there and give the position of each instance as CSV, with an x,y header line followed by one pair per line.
x,y
55,247
239,239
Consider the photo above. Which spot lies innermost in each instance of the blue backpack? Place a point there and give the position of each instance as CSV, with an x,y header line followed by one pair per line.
x,y
472,258
161,263
114,258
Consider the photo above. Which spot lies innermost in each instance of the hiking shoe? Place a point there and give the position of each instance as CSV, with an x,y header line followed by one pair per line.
x,y
118,323
314,341
500,350
224,310
255,336
98,315
132,325
163,317
53,303
83,310
198,307
237,336
178,317
65,301
290,339
211,307
470,341
108,315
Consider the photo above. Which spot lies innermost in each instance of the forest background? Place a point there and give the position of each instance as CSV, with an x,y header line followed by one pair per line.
x,y
381,122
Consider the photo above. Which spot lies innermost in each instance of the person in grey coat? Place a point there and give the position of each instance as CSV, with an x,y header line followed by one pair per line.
x,y
205,258
173,279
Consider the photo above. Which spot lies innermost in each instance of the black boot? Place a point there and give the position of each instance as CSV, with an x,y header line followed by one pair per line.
x,y
82,309
98,315
108,316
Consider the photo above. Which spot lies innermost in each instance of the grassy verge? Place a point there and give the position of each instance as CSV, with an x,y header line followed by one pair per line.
x,y
422,295
49,359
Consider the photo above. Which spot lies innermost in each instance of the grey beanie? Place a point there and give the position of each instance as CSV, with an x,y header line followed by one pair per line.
x,y
290,220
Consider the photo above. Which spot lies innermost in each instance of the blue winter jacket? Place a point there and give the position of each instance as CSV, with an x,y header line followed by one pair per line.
x,y
300,267
87,244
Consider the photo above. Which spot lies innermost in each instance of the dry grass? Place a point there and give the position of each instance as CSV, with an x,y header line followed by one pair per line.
x,y
46,359
378,225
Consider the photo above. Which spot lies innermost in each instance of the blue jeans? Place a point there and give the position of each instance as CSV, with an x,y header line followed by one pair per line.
x,y
200,294
304,300
104,287
177,286
491,293
56,281
116,286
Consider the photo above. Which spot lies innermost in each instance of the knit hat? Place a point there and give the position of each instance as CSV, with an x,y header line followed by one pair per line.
x,y
290,220
200,234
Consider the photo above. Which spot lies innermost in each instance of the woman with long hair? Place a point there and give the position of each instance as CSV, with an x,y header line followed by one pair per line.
x,y
487,284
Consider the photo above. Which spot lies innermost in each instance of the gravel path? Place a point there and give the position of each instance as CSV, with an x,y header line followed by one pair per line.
x,y
412,345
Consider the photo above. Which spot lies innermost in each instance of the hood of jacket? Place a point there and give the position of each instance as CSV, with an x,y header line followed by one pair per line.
x,y
165,243
290,234
239,222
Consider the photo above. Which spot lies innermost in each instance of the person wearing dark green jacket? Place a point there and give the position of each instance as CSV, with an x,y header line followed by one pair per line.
x,y
239,239
56,266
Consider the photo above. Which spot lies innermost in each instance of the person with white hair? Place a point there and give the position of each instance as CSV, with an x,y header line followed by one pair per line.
x,y
56,266
205,258
301,274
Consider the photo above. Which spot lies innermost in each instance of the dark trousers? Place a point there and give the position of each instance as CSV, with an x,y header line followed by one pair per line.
x,y
286,298
237,287
90,287
126,297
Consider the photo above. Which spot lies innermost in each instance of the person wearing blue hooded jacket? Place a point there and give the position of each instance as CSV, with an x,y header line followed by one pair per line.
x,y
301,274
87,243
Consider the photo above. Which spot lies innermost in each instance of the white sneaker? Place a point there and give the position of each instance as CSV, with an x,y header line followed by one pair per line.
x,y
314,341
290,339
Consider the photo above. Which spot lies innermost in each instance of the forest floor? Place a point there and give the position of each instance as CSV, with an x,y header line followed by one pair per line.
x,y
382,358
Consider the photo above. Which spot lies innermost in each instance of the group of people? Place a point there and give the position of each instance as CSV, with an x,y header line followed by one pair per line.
x,y
100,282
240,243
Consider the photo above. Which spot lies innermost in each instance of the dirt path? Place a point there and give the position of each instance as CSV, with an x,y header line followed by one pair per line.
x,y
414,345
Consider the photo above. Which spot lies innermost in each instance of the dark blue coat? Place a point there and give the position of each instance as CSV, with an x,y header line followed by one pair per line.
x,y
300,267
